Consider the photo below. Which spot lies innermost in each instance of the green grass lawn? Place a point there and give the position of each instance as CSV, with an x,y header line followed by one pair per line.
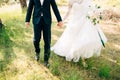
x,y
17,54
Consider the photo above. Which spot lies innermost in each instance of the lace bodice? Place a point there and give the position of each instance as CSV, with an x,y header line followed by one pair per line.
x,y
81,7
75,1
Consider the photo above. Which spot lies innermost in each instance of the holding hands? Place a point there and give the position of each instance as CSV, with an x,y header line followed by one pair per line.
x,y
60,24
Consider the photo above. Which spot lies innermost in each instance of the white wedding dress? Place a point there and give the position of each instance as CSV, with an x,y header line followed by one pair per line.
x,y
80,38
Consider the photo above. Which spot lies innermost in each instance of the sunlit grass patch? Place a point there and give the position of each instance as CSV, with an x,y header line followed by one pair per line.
x,y
17,50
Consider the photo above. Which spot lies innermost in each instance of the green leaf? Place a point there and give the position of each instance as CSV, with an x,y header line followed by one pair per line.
x,y
100,17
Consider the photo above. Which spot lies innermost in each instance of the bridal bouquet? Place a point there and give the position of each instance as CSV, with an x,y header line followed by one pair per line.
x,y
95,14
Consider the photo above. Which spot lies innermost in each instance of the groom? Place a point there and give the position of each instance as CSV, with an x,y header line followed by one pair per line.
x,y
42,23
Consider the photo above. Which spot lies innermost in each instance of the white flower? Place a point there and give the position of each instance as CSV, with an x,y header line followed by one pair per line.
x,y
94,14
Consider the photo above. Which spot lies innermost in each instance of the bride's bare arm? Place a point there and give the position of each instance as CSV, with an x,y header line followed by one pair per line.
x,y
68,12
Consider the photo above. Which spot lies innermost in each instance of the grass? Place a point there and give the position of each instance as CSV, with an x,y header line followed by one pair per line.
x,y
104,71
17,54
16,49
114,3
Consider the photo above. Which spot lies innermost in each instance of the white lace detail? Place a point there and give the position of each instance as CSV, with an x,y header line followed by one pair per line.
x,y
75,1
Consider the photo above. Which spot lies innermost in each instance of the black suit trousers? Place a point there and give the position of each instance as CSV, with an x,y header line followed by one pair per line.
x,y
45,29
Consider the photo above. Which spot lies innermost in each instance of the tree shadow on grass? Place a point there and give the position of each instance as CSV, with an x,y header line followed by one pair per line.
x,y
6,50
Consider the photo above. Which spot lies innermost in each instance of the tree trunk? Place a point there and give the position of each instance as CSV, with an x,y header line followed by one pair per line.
x,y
1,24
23,4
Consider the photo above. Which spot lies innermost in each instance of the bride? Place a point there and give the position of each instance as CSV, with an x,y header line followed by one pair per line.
x,y
81,38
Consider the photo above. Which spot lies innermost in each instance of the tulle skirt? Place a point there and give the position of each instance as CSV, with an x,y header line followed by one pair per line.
x,y
80,39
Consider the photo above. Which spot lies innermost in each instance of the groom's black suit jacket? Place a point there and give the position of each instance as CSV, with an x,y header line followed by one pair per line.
x,y
45,9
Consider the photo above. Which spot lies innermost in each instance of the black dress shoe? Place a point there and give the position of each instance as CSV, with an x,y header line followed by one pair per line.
x,y
46,64
37,56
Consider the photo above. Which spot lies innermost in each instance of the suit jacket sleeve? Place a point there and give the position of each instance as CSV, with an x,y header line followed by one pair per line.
x,y
29,11
56,11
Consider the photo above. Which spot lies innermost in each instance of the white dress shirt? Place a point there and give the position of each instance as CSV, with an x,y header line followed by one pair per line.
x,y
41,4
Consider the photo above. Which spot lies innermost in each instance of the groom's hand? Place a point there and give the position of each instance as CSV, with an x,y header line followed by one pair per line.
x,y
27,24
60,24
